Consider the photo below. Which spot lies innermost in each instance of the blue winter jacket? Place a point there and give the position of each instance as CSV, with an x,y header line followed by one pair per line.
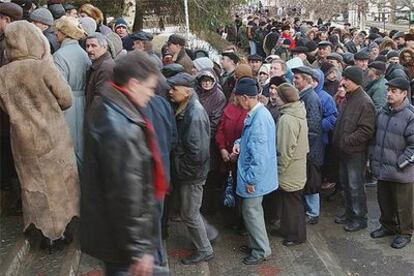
x,y
257,164
329,111
314,119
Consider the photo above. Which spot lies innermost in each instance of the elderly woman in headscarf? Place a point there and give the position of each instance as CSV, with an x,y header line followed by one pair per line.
x,y
34,95
73,63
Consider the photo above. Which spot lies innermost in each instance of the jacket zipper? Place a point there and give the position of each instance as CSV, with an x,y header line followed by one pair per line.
x,y
383,141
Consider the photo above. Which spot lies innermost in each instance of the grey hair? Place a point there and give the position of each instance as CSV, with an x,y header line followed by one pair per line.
x,y
102,41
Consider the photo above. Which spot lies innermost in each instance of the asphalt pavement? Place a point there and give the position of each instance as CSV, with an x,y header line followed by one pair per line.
x,y
329,250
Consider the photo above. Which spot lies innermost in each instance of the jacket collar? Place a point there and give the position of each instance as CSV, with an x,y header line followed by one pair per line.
x,y
97,63
305,92
358,91
120,102
69,41
404,104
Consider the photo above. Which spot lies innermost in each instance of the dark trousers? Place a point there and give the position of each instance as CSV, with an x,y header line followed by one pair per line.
x,y
396,205
352,178
116,269
292,221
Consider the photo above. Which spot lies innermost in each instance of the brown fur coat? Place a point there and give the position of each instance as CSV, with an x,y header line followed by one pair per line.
x,y
33,93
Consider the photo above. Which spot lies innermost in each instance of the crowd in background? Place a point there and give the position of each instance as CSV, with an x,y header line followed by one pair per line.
x,y
97,124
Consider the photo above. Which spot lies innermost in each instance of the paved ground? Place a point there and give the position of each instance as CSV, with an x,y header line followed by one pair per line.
x,y
328,251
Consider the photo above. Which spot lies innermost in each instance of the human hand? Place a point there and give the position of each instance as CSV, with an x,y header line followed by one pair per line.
x,y
236,149
250,189
225,155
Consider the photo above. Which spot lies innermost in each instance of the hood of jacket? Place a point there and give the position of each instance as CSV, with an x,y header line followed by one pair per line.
x,y
321,80
25,41
295,109
206,73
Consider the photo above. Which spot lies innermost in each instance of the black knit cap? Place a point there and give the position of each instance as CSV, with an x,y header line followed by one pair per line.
x,y
355,74
176,39
378,65
311,45
400,83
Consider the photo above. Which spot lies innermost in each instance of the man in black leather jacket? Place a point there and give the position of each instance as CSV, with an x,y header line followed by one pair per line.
x,y
191,164
118,179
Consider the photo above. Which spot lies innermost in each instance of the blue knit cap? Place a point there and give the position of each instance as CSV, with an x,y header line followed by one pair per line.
x,y
246,86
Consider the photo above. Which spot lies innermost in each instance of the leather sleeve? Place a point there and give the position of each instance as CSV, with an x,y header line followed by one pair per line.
x,y
128,191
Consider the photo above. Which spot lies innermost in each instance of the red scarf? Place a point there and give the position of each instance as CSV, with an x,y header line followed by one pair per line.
x,y
160,183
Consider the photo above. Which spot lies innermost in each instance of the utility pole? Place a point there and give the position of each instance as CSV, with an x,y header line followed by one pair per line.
x,y
187,19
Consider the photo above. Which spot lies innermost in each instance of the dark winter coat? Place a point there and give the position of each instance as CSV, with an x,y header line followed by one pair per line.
x,y
351,47
394,144
183,59
191,159
160,114
356,124
51,36
213,101
377,90
228,82
314,119
99,73
117,199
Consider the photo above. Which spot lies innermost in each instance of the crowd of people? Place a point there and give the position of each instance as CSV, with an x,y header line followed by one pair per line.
x,y
97,124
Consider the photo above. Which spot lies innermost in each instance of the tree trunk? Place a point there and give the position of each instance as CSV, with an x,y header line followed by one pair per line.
x,y
393,6
139,16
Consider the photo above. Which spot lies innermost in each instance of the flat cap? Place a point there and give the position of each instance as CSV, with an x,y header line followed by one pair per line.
x,y
335,56
172,69
400,83
378,65
176,39
303,70
139,36
14,11
361,55
392,54
181,79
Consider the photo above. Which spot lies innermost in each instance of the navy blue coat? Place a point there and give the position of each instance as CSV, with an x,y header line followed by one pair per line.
x,y
314,119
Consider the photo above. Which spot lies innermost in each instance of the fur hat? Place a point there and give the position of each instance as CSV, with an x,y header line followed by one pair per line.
x,y
12,10
410,35
243,70
70,27
42,15
93,12
355,74
288,93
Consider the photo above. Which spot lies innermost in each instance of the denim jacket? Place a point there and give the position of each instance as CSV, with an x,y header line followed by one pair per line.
x,y
257,164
